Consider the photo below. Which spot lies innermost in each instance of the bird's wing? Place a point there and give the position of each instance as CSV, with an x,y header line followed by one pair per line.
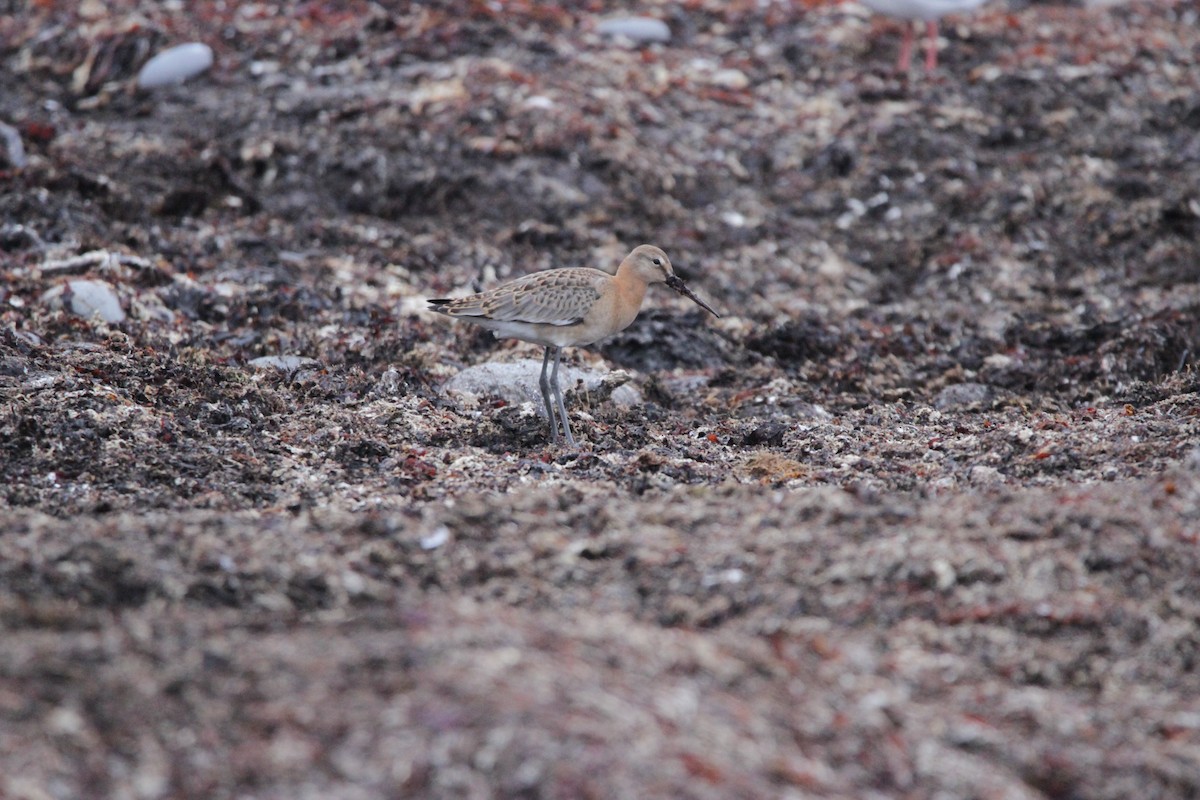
x,y
557,297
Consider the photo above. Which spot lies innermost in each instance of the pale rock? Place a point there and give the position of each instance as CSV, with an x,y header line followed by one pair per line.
x,y
516,382
88,299
636,29
175,65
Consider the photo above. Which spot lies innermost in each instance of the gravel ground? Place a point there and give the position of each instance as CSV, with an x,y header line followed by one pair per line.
x,y
918,517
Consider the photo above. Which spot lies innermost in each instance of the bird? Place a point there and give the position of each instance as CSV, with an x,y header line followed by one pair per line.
x,y
570,307
927,11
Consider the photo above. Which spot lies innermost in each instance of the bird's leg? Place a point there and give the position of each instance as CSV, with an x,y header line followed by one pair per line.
x,y
558,397
906,45
544,384
931,32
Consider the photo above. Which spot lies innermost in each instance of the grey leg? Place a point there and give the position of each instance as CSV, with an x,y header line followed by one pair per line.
x,y
544,384
558,398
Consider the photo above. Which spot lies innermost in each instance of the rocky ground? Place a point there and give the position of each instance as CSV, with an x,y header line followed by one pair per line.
x,y
918,517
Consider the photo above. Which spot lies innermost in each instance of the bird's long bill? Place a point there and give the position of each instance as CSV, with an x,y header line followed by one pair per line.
x,y
676,283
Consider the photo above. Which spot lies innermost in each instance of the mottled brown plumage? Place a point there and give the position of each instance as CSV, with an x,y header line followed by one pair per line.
x,y
562,307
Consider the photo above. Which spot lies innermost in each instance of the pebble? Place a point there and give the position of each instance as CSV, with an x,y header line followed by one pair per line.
x,y
980,475
636,29
963,395
733,79
943,574
14,149
999,361
434,540
175,65
283,363
516,382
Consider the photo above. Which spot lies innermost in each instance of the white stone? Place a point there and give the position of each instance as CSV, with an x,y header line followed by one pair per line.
x,y
516,382
175,65
733,79
636,29
439,537
283,363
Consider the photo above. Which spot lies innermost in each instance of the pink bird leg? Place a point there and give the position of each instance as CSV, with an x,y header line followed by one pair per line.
x,y
931,31
906,44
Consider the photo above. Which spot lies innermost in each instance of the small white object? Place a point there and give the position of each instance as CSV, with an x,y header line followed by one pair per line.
x,y
175,65
283,363
732,79
440,535
636,29
353,583
732,576
943,574
15,150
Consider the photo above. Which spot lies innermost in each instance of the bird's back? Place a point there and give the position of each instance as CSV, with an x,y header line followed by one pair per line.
x,y
553,297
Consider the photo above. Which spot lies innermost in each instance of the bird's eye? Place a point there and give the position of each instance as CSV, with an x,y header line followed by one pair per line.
x,y
658,262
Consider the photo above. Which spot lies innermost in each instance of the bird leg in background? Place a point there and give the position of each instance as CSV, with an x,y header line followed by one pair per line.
x,y
544,384
906,44
931,32
558,398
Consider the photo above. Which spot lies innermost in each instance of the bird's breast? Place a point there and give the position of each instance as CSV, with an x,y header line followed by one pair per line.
x,y
627,303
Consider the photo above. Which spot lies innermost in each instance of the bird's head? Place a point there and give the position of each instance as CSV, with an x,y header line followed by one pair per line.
x,y
651,264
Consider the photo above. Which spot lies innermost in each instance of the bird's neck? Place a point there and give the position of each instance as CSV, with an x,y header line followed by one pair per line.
x,y
631,290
